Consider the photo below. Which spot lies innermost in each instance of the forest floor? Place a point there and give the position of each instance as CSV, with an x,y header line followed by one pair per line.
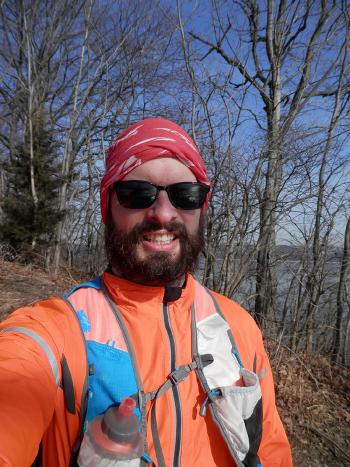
x,y
313,396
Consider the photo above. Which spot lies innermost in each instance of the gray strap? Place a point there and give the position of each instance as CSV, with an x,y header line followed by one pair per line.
x,y
261,373
130,347
254,363
155,436
229,332
195,356
174,378
44,346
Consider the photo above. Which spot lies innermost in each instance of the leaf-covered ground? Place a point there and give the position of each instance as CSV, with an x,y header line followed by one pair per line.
x,y
312,395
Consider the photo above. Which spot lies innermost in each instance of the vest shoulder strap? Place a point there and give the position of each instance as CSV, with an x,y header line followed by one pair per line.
x,y
105,331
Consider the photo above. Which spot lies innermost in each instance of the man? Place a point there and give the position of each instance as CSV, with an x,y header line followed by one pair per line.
x,y
191,359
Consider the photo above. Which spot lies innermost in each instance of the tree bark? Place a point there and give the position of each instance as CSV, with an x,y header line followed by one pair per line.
x,y
341,298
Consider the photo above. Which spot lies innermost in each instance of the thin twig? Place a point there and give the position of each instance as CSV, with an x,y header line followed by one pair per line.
x,y
299,360
322,435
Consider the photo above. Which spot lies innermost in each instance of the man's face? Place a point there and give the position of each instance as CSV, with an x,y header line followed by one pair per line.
x,y
159,244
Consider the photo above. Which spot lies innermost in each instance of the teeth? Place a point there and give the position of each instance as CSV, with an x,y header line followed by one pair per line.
x,y
160,238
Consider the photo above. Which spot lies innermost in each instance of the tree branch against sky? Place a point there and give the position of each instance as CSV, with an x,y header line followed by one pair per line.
x,y
286,53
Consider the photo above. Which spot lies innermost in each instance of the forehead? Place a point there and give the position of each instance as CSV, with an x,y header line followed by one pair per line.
x,y
162,171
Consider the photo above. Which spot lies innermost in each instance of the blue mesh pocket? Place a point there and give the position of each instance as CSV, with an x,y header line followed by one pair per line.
x,y
112,379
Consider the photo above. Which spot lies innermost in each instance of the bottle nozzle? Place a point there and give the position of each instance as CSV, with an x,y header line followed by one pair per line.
x,y
127,406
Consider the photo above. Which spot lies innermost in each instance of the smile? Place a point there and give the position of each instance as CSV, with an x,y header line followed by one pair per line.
x,y
159,238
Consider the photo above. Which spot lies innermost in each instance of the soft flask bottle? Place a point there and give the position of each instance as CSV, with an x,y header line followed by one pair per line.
x,y
113,439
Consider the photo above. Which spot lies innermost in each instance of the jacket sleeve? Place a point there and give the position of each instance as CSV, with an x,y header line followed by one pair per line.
x,y
274,449
28,387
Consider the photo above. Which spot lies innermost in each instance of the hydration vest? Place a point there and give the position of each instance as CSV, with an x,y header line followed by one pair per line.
x,y
232,393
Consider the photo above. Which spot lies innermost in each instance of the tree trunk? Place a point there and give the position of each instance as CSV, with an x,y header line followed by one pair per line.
x,y
341,297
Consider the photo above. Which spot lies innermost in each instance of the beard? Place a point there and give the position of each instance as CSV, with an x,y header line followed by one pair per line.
x,y
158,268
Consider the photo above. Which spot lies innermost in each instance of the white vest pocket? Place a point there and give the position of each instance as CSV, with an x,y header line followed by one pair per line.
x,y
235,406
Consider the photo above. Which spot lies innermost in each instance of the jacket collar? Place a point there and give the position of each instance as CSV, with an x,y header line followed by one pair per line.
x,y
125,292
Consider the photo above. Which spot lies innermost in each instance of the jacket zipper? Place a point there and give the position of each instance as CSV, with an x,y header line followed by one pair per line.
x,y
175,391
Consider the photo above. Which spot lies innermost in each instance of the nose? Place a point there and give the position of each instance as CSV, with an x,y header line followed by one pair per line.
x,y
162,211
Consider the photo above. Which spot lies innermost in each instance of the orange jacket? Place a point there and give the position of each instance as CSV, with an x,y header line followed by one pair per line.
x,y
32,404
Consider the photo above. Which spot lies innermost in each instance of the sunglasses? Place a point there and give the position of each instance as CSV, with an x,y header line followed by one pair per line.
x,y
137,194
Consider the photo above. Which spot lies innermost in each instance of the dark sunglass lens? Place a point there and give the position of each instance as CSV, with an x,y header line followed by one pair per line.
x,y
188,195
135,195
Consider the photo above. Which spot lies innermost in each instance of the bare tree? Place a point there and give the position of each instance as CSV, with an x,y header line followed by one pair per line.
x,y
286,52
215,117
341,301
92,67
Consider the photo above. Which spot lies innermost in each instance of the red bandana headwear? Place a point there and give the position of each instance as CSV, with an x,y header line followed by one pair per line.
x,y
144,141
